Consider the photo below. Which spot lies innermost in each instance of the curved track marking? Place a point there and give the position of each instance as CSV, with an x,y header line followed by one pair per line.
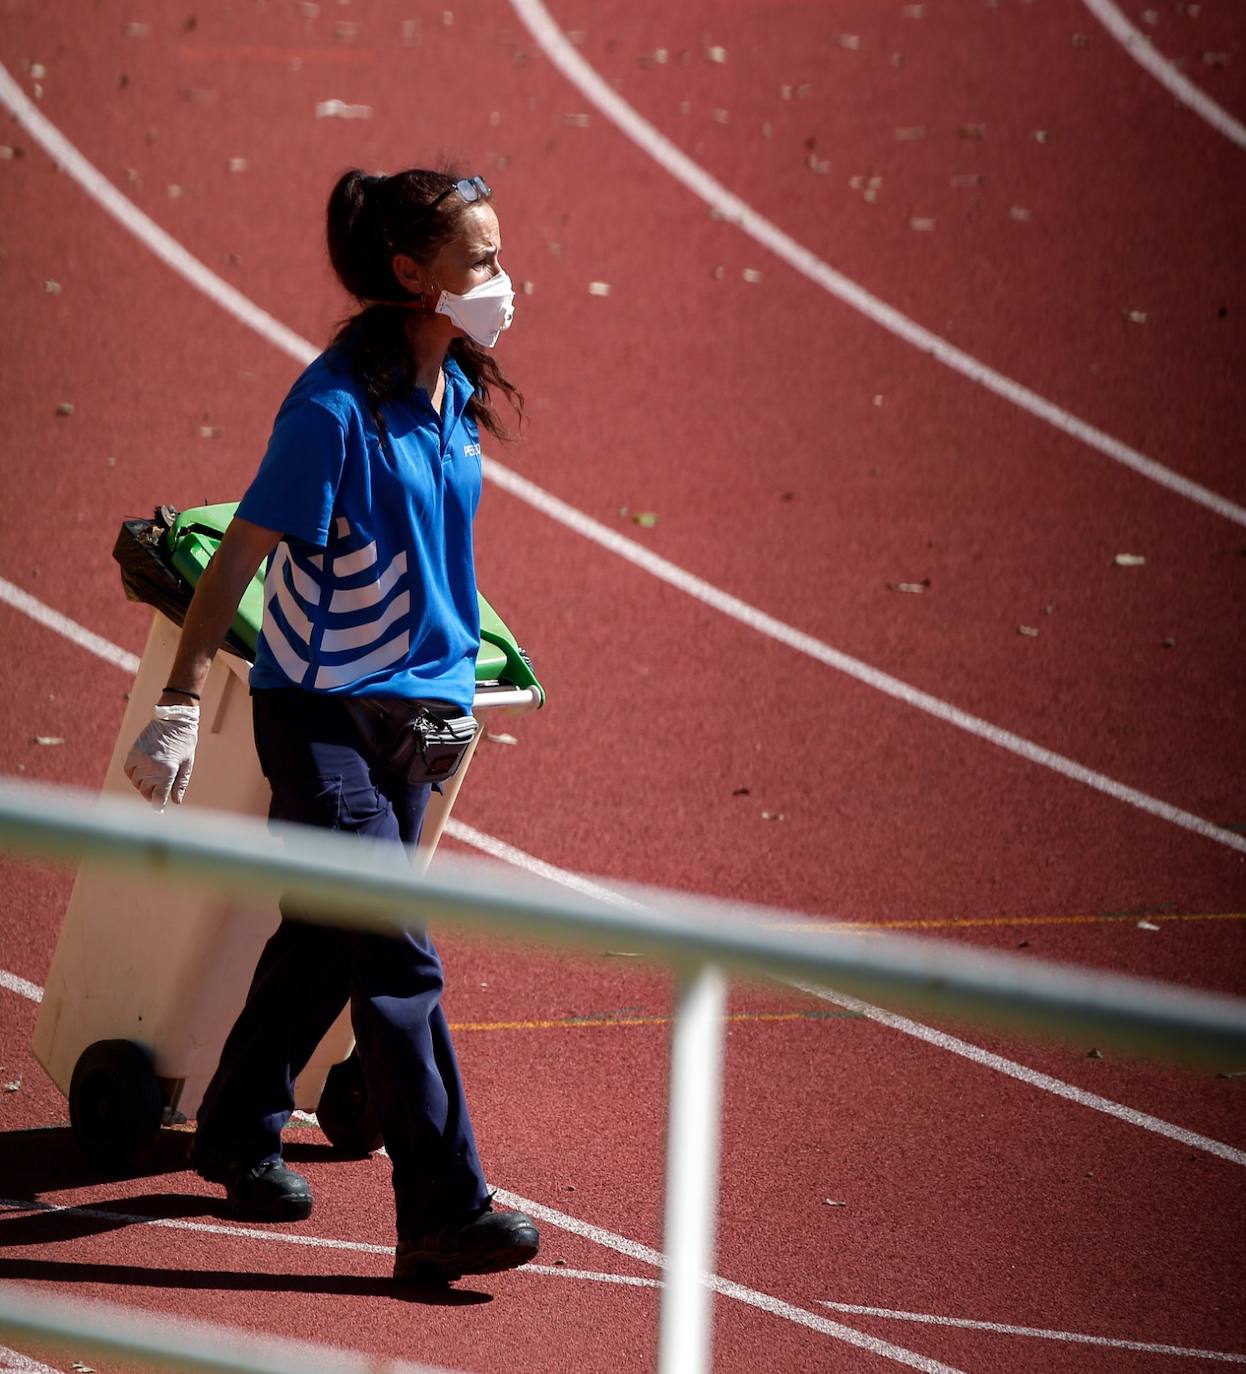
x,y
736,211
1143,51
231,300
757,620
144,228
764,624
750,1297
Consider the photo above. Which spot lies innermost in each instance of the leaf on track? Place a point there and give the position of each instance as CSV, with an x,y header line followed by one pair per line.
x,y
339,109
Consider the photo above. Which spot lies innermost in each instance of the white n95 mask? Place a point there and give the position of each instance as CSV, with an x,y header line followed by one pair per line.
x,y
483,312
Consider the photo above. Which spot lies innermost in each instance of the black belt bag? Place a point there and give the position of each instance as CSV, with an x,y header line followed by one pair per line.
x,y
416,741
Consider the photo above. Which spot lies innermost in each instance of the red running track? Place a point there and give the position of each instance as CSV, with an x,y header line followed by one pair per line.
x,y
796,456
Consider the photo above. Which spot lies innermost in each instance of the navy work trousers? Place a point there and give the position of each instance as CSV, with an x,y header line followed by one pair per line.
x,y
311,754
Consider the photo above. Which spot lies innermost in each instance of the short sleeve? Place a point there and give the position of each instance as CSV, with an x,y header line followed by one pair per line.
x,y
299,475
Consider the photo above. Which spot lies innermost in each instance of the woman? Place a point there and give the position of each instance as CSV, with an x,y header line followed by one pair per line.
x,y
364,500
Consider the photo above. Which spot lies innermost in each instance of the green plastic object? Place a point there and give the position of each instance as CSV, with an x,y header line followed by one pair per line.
x,y
196,535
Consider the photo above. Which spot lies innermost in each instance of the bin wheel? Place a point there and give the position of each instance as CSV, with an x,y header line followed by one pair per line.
x,y
115,1106
344,1113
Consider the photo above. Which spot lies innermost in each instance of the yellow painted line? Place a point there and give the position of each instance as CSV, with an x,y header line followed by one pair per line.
x,y
964,922
829,927
598,1022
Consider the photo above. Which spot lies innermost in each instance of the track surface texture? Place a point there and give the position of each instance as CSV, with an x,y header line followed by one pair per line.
x,y
1009,178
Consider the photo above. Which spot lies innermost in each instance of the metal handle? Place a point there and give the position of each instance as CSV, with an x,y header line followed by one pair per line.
x,y
518,699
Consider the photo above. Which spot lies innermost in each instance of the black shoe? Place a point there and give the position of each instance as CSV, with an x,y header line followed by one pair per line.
x,y
263,1192
485,1243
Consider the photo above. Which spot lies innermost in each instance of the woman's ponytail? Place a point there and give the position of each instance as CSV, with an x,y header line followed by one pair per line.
x,y
358,248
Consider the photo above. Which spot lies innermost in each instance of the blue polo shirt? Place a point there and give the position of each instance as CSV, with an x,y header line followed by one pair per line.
x,y
372,589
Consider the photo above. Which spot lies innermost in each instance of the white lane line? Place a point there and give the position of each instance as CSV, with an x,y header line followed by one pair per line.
x,y
291,1238
144,228
750,1297
738,212
205,1228
892,1020
645,1254
758,620
511,854
228,298
14,1362
1147,1347
1143,51
13,595
593,1276
1023,1074
12,983
508,853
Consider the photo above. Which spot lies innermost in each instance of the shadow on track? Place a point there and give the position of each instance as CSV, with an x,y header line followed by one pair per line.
x,y
47,1160
47,1227
231,1280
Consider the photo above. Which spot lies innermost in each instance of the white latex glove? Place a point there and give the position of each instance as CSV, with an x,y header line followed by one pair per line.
x,y
159,764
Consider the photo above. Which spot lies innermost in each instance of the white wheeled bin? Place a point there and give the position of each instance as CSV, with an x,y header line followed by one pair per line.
x,y
146,981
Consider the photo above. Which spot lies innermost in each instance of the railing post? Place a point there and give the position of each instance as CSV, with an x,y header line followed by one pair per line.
x,y
692,1169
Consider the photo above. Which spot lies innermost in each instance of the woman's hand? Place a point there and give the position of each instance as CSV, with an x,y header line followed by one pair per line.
x,y
161,760
159,765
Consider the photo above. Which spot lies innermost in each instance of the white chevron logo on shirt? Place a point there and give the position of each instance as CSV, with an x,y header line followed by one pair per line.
x,y
300,595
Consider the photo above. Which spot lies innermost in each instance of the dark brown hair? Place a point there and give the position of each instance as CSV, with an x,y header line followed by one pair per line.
x,y
370,219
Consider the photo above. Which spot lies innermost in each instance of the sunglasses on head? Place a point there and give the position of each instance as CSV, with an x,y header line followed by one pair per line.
x,y
470,189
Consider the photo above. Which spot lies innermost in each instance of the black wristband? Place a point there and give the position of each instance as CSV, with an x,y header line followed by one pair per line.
x,y
182,692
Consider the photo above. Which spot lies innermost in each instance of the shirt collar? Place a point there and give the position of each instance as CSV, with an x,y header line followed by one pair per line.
x,y
458,388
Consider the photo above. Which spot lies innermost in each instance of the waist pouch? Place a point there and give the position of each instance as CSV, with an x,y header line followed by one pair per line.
x,y
414,740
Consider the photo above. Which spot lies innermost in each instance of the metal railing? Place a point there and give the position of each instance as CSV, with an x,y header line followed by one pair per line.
x,y
98,1329
351,882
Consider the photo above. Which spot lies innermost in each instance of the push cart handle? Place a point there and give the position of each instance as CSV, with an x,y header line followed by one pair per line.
x,y
519,699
